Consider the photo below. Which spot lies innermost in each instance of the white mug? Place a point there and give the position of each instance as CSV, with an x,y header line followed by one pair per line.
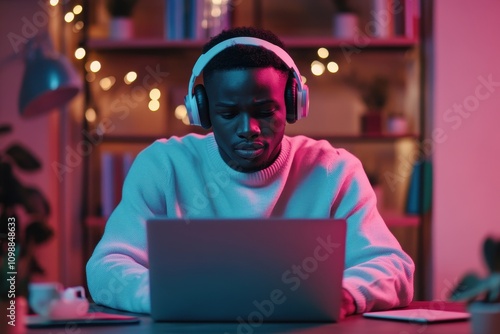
x,y
42,294
51,300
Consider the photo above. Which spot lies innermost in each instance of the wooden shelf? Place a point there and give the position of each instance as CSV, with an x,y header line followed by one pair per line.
x,y
131,139
364,43
367,138
292,43
142,44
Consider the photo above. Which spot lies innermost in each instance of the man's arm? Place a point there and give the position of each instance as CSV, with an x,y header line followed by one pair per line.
x,y
117,272
378,273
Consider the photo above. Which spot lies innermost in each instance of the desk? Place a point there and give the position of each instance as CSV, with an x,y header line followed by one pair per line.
x,y
353,324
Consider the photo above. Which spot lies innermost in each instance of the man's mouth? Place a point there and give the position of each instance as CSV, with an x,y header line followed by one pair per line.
x,y
249,151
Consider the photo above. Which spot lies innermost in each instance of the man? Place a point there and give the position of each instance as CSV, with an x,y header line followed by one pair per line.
x,y
248,168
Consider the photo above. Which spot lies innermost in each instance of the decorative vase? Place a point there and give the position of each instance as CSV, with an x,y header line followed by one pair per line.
x,y
485,317
121,28
397,125
371,123
13,315
345,25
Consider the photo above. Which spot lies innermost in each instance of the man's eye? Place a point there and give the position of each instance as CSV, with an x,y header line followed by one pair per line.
x,y
266,113
227,115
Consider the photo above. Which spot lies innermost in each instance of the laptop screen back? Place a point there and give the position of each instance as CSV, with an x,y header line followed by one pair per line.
x,y
245,270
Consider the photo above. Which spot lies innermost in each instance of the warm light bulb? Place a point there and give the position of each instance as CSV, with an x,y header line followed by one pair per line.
x,y
69,17
130,77
107,83
323,53
90,115
80,53
304,79
77,9
180,111
95,66
154,94
317,68
154,105
216,12
79,25
332,67
54,2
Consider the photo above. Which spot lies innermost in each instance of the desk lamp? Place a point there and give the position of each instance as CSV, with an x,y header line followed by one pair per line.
x,y
49,80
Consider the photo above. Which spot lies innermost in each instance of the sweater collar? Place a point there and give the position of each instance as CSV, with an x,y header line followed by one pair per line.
x,y
261,177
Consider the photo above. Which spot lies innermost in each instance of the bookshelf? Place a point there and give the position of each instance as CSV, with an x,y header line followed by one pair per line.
x,y
100,44
399,55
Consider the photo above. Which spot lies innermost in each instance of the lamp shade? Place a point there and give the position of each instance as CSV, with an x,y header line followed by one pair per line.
x,y
49,82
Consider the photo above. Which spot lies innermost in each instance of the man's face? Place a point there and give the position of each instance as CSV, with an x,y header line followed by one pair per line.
x,y
248,115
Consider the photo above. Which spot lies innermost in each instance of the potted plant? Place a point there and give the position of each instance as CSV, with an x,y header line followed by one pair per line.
x,y
18,240
374,94
345,20
121,25
483,294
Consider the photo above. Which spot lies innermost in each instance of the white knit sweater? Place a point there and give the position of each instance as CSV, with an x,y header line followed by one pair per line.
x,y
186,177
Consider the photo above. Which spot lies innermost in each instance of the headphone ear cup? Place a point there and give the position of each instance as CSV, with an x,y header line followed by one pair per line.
x,y
291,100
200,95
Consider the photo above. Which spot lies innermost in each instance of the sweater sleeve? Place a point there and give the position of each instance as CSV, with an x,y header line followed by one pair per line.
x,y
117,271
378,273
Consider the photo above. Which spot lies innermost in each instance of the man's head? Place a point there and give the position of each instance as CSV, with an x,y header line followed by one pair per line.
x,y
244,56
245,89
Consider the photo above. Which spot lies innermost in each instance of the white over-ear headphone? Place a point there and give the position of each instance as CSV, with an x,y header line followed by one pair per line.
x,y
302,93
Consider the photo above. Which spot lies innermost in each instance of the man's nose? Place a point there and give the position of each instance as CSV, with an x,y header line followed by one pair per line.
x,y
248,126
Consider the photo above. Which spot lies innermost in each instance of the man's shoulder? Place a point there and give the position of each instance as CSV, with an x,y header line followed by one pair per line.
x,y
317,146
175,148
188,142
321,151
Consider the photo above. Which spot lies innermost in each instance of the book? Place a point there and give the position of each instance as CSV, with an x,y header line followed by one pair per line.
x,y
174,19
197,22
114,168
107,184
382,14
412,18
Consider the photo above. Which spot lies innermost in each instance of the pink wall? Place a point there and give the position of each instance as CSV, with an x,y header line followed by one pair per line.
x,y
39,134
44,136
466,161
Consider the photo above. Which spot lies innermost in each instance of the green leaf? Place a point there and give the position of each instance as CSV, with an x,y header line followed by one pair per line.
x,y
491,250
39,232
5,128
481,287
468,283
23,158
34,202
10,188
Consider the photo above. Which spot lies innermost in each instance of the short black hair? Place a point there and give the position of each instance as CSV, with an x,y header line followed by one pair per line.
x,y
244,56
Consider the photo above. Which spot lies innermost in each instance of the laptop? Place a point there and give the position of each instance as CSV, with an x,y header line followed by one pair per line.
x,y
246,270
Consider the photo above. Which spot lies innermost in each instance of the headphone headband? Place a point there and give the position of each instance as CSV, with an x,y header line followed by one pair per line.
x,y
302,89
206,57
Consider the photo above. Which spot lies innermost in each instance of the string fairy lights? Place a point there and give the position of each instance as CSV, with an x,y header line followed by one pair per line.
x,y
318,67
94,67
